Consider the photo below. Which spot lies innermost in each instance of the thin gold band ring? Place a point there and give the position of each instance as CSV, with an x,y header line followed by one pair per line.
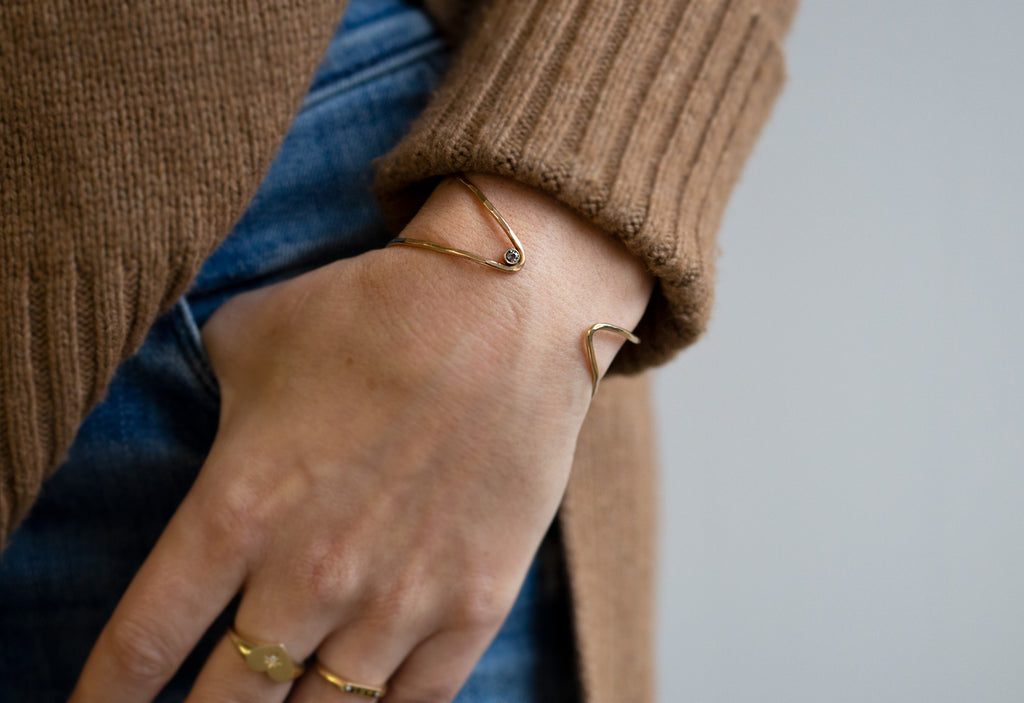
x,y
346,686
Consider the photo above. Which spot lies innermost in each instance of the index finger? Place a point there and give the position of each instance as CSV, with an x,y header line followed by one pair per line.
x,y
188,579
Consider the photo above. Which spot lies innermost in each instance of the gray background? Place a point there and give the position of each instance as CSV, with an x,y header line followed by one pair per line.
x,y
843,494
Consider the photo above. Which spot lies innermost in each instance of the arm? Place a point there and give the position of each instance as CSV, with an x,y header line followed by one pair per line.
x,y
396,434
636,113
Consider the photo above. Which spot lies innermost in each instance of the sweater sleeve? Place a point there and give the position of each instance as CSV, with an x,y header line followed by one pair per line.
x,y
639,114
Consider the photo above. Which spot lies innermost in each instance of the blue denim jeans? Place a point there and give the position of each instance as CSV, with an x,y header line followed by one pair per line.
x,y
138,451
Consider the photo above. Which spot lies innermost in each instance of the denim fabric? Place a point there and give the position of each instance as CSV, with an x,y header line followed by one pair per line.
x,y
138,452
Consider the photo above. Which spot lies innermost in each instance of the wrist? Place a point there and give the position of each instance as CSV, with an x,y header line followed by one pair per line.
x,y
575,275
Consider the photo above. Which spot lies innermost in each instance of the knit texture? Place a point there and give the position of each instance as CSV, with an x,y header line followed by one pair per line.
x,y
131,139
637,114
133,135
609,519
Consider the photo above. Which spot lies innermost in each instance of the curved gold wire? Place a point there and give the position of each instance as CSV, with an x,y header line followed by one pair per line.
x,y
592,356
346,686
513,258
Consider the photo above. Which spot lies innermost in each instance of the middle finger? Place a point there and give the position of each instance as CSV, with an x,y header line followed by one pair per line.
x,y
260,657
279,606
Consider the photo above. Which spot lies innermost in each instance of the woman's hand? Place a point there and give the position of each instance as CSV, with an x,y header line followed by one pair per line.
x,y
395,437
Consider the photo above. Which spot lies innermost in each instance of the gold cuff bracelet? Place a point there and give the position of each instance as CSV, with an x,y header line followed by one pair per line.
x,y
514,260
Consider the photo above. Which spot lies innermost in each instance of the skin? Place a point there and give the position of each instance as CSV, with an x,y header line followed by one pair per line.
x,y
396,434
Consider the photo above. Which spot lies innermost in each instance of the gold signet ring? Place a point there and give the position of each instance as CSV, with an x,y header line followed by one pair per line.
x,y
270,659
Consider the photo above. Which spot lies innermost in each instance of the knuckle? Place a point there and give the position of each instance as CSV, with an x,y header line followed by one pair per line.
x,y
237,521
394,610
411,595
324,574
141,651
482,606
397,601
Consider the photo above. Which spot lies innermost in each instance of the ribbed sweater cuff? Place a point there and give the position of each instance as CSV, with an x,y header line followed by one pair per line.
x,y
637,114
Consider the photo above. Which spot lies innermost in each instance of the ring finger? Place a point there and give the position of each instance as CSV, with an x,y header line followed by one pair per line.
x,y
360,658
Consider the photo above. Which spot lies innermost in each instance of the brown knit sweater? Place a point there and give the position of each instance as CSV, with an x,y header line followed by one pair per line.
x,y
132,137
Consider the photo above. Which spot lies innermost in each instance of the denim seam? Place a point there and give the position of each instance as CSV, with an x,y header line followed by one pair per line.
x,y
386,13
390,64
188,338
